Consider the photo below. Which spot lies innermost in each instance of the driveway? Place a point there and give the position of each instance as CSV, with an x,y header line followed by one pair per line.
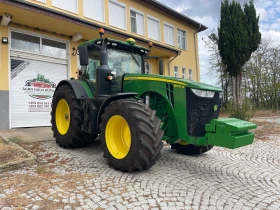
x,y
244,178
275,119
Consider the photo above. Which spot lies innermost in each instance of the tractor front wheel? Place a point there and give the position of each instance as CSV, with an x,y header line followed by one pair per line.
x,y
190,149
130,135
67,118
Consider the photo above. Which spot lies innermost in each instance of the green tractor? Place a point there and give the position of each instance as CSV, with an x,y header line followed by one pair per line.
x,y
132,112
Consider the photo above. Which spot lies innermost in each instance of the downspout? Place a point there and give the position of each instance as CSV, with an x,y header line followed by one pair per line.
x,y
179,53
196,61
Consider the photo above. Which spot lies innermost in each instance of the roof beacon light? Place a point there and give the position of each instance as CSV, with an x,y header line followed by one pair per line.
x,y
150,44
101,32
131,41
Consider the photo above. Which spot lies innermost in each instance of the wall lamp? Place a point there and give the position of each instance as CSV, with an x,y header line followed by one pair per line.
x,y
6,19
5,40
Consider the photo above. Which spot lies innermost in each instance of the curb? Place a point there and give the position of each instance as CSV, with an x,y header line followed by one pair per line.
x,y
17,164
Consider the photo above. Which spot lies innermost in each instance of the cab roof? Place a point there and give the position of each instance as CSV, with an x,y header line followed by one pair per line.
x,y
117,44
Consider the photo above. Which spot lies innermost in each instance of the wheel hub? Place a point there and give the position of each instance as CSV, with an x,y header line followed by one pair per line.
x,y
118,137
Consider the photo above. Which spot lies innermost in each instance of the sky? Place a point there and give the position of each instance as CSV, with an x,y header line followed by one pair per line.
x,y
207,12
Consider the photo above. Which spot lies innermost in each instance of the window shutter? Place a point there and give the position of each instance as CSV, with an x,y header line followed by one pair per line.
x,y
69,5
153,29
169,35
140,24
94,9
165,34
117,15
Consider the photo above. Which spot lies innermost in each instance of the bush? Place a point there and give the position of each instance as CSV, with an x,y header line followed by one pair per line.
x,y
244,111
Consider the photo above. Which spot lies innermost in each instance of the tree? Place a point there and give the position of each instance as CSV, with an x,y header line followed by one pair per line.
x,y
216,66
238,38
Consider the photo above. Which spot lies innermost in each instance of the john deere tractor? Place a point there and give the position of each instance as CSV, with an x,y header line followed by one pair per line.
x,y
132,112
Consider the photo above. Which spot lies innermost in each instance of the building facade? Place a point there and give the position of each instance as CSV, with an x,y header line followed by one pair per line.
x,y
39,39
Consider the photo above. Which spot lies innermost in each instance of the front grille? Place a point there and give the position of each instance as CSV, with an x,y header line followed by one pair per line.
x,y
200,111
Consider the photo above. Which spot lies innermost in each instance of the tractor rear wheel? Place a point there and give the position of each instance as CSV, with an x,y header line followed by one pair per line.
x,y
130,135
67,118
190,149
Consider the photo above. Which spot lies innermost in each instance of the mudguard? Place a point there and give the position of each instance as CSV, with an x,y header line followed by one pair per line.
x,y
111,98
230,133
77,87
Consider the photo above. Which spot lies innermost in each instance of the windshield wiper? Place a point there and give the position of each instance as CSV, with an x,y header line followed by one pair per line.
x,y
134,59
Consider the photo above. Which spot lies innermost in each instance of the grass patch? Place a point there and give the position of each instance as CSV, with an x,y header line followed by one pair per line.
x,y
44,170
14,139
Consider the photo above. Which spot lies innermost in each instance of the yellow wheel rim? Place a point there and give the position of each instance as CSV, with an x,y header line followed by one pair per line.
x,y
118,137
62,117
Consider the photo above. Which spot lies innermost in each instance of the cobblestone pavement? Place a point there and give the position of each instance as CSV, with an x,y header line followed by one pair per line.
x,y
245,178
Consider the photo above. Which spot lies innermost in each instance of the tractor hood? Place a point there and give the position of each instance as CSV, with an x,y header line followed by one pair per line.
x,y
174,80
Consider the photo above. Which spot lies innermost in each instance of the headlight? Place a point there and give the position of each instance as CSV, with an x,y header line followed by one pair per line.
x,y
203,93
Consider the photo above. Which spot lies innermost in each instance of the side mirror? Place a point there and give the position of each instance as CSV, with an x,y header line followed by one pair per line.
x,y
160,67
83,55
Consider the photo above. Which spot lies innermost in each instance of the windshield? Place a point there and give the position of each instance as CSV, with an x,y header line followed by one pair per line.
x,y
119,62
124,62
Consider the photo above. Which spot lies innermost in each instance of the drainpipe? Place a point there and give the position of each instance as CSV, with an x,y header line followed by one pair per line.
x,y
196,61
179,53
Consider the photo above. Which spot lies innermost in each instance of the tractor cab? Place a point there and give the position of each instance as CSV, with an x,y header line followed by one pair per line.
x,y
113,59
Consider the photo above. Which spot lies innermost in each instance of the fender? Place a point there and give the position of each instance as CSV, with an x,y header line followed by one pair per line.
x,y
111,98
77,87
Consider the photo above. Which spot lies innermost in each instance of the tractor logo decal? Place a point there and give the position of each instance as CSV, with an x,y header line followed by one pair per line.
x,y
40,87
215,108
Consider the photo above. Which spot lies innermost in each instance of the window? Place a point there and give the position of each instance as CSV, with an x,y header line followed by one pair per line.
x,y
148,68
94,9
184,73
190,74
117,15
136,22
93,63
124,62
69,5
168,34
182,39
25,42
153,28
36,44
53,48
175,71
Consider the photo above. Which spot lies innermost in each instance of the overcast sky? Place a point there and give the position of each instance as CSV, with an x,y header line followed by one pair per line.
x,y
207,12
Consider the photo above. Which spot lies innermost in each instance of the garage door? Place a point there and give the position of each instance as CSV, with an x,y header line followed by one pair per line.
x,y
37,66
